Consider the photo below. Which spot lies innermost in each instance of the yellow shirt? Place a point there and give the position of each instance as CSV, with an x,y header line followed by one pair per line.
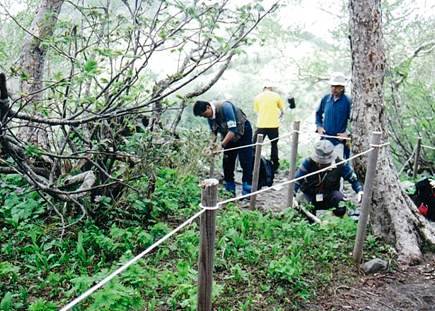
x,y
268,105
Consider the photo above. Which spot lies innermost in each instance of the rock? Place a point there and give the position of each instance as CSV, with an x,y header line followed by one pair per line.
x,y
374,265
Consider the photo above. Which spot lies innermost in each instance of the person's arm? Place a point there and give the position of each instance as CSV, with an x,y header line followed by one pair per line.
x,y
301,171
255,105
349,175
230,135
346,133
210,125
230,119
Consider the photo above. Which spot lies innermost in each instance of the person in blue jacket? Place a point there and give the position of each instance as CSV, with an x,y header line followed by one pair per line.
x,y
323,189
235,129
333,114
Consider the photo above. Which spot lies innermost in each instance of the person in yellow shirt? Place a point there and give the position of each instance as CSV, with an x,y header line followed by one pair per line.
x,y
269,107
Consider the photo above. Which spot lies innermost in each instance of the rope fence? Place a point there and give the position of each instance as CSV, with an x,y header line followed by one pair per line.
x,y
295,179
253,144
209,206
428,147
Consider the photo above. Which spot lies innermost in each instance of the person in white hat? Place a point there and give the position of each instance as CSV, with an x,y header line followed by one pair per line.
x,y
269,107
333,114
322,190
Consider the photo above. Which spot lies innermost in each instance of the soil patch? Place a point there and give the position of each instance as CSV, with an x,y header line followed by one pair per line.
x,y
410,289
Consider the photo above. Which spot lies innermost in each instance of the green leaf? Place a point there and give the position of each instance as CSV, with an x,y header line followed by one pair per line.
x,y
42,305
90,66
33,151
6,302
6,268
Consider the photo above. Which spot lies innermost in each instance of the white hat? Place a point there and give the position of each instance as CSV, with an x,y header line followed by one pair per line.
x,y
337,78
324,152
268,84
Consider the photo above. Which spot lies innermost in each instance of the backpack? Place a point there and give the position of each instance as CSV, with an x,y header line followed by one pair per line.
x,y
267,174
424,198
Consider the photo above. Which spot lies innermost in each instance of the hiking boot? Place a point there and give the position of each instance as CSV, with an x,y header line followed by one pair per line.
x,y
246,188
230,186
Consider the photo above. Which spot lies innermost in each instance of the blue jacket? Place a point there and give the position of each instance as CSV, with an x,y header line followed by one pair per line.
x,y
325,182
333,115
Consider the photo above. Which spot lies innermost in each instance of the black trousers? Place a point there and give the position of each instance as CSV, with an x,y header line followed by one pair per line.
x,y
271,133
245,157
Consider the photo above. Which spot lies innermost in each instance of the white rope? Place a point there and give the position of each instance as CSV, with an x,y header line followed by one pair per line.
x,y
254,144
279,137
429,147
129,263
296,179
209,208
234,148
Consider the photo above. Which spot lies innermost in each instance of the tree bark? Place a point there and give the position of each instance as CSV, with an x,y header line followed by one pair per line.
x,y
32,62
393,216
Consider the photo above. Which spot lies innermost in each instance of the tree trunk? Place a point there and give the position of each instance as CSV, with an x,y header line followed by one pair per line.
x,y
394,216
32,64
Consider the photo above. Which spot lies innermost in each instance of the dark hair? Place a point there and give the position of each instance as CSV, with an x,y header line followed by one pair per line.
x,y
199,107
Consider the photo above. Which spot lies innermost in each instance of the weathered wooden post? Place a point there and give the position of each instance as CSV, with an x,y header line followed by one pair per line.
x,y
212,157
256,173
365,205
417,157
207,243
293,156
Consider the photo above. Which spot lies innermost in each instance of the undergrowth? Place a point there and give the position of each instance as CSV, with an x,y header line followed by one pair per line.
x,y
262,262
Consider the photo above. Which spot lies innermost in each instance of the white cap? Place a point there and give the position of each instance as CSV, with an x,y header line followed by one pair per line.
x,y
337,78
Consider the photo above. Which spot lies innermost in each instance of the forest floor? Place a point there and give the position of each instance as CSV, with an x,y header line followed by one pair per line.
x,y
410,289
396,289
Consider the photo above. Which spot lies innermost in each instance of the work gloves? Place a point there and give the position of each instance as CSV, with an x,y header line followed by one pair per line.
x,y
295,203
213,148
359,196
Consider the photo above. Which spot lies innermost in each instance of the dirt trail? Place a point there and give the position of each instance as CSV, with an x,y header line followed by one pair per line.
x,y
411,289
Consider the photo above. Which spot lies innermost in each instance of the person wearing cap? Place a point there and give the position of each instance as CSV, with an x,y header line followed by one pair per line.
x,y
269,107
333,114
322,189
235,129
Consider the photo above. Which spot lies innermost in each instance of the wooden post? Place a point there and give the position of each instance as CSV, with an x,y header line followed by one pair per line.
x,y
212,157
207,244
256,173
365,205
293,156
417,157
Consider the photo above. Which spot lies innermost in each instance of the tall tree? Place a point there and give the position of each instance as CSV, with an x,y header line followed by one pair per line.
x,y
33,59
393,216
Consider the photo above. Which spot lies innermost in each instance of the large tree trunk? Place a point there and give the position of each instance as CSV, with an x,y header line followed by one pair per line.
x,y
393,216
32,64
